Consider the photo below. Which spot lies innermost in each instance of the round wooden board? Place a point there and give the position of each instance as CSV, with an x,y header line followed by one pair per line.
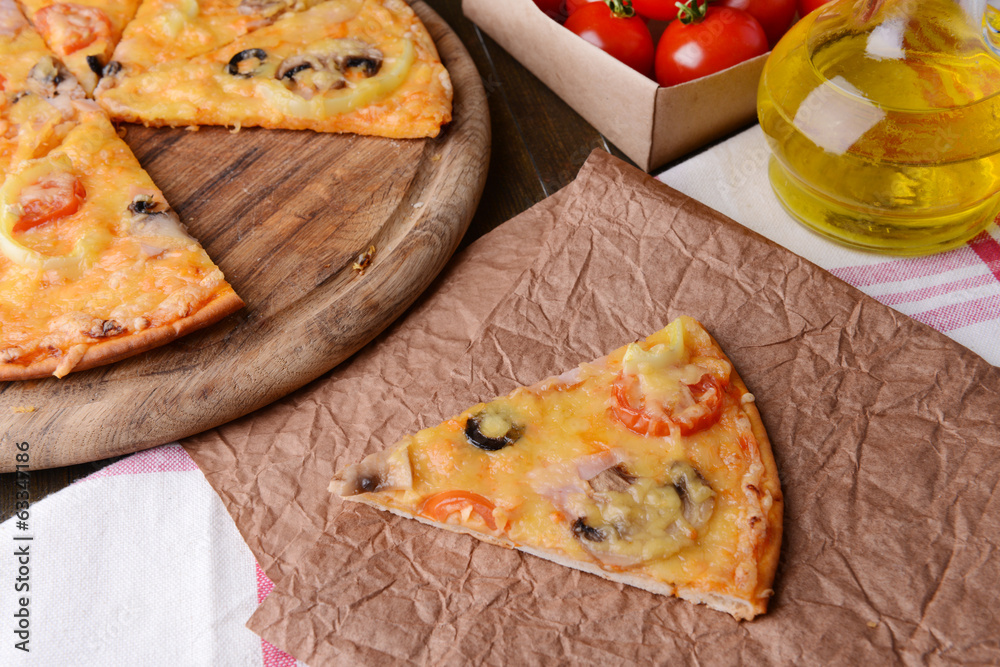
x,y
285,215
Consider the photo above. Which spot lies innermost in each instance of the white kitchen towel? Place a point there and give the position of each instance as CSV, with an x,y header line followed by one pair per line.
x,y
957,292
137,564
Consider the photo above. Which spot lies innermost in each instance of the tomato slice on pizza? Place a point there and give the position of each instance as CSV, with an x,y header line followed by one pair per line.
x,y
367,67
649,467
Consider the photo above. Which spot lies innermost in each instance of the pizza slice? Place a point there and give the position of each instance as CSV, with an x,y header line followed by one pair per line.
x,y
82,33
376,72
648,467
94,266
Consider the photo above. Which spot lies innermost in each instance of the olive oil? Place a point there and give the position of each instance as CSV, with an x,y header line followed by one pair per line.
x,y
884,122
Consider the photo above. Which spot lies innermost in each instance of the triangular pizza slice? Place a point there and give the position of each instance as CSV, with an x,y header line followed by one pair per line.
x,y
648,467
94,266
83,33
342,66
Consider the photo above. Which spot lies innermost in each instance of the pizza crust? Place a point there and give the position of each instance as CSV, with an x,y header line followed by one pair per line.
x,y
768,549
764,544
106,352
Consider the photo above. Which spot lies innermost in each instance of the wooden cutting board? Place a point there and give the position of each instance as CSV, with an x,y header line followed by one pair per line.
x,y
285,215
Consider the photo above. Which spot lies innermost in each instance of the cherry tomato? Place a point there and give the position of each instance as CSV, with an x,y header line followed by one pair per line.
x,y
809,6
723,38
630,408
658,10
552,8
573,5
616,31
774,16
71,26
53,196
441,505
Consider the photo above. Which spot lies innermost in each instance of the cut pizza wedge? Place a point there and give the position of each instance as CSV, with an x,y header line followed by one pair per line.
x,y
366,67
649,467
83,33
94,266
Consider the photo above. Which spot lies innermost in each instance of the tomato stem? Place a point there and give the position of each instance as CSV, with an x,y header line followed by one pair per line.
x,y
690,11
621,8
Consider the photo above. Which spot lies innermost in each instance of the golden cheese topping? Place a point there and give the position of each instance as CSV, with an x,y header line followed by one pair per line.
x,y
579,468
375,72
83,33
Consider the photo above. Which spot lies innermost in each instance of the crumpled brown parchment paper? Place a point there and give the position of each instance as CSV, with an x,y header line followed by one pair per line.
x,y
885,434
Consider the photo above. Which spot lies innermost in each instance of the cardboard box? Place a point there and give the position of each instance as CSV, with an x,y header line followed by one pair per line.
x,y
650,124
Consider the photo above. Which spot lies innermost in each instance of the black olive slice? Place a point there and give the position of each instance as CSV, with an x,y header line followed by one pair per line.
x,y
475,436
587,532
368,66
46,76
94,63
248,54
290,74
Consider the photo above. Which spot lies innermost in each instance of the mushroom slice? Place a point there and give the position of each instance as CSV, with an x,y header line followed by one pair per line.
x,y
270,9
308,75
322,65
584,531
382,471
49,77
697,496
616,478
146,204
626,520
264,8
360,56
162,223
105,329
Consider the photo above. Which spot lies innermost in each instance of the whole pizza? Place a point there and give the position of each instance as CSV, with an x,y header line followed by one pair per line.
x,y
94,264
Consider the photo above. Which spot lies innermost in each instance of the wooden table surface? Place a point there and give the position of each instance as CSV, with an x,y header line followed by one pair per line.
x,y
539,144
